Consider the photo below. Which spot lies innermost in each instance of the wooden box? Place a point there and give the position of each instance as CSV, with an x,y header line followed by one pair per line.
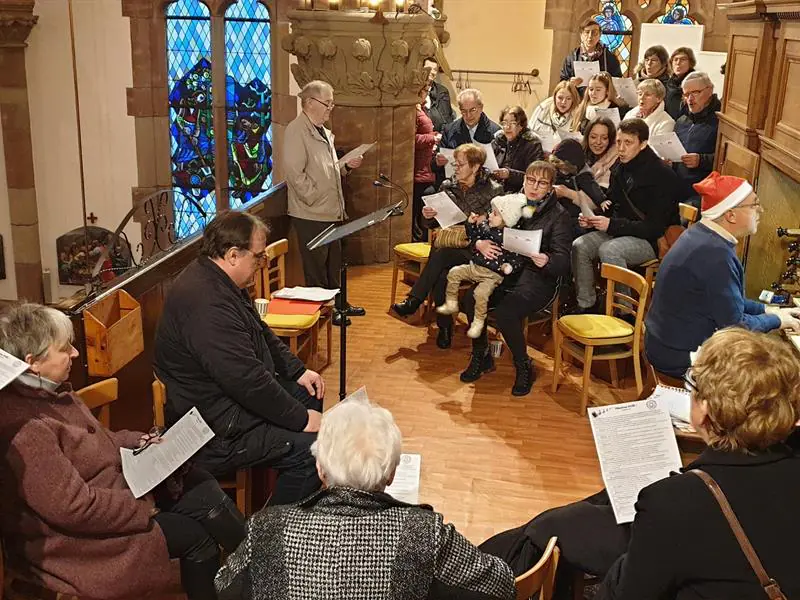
x,y
114,337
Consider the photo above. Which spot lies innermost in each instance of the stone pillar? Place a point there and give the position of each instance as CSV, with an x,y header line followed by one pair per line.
x,y
375,67
16,21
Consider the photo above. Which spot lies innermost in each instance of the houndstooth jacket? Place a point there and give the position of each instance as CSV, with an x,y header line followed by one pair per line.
x,y
348,544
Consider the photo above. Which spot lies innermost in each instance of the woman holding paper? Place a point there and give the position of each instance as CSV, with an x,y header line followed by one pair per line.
x,y
69,521
600,96
515,147
651,93
555,113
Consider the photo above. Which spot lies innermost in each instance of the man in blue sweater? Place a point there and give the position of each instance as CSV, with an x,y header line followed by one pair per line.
x,y
701,281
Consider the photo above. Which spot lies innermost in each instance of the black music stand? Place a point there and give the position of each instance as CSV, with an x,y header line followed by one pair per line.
x,y
332,234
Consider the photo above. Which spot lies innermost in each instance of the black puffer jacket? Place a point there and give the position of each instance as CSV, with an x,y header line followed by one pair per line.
x,y
516,155
557,236
476,199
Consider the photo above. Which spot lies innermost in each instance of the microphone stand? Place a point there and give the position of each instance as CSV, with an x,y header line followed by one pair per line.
x,y
384,182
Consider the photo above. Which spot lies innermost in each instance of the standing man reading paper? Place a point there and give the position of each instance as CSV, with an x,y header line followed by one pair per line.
x,y
214,352
314,178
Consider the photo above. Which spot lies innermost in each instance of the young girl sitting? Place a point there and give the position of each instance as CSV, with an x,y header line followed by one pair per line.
x,y
600,94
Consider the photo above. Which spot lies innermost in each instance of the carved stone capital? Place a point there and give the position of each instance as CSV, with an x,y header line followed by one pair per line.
x,y
368,62
16,21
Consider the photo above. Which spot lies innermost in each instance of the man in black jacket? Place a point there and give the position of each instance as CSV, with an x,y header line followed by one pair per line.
x,y
215,353
437,104
590,49
644,194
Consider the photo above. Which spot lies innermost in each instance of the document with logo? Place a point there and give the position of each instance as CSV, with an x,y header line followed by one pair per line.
x,y
154,464
585,69
405,486
668,146
626,89
10,368
447,212
636,447
522,242
355,153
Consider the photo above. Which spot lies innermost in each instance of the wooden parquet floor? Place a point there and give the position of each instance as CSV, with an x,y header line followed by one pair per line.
x,y
490,461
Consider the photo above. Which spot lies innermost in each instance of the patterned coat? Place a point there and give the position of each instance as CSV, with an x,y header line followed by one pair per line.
x,y
343,543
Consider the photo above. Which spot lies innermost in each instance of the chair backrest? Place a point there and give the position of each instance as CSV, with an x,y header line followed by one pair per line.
x,y
272,276
688,212
625,303
98,396
159,400
541,576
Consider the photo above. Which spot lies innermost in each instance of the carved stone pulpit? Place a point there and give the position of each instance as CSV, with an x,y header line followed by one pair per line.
x,y
374,62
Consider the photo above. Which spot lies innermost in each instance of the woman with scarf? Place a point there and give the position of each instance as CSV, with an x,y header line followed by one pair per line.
x,y
600,95
515,147
655,65
555,112
590,49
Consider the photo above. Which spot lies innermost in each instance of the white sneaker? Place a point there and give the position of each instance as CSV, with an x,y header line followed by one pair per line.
x,y
450,307
475,328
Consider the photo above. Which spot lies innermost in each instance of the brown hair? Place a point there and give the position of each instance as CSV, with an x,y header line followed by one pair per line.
x,y
635,127
751,384
589,23
611,94
230,229
573,92
518,113
688,52
474,154
612,136
541,167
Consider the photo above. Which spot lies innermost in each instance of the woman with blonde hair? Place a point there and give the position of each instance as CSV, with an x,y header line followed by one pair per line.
x,y
555,112
600,95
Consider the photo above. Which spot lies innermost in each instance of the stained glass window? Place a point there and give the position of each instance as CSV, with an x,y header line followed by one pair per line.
x,y
644,3
248,100
190,114
676,13
617,31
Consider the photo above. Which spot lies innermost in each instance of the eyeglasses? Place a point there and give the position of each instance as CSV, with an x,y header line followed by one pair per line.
x,y
694,94
458,165
470,111
508,124
651,60
328,105
258,256
756,205
541,184
153,434
688,381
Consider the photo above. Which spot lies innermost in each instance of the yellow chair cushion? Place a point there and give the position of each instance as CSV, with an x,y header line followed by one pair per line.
x,y
414,249
276,321
595,327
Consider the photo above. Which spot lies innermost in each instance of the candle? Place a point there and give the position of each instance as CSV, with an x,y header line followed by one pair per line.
x,y
401,5
333,5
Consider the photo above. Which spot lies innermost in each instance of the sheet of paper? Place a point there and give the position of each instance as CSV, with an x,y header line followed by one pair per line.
x,y
626,89
585,203
609,113
491,160
549,140
10,368
585,69
158,461
314,294
668,146
677,401
360,395
405,486
522,242
563,134
449,171
447,212
636,446
355,153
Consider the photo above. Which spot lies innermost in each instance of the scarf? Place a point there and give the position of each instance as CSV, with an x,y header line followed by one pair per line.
x,y
591,109
591,54
601,169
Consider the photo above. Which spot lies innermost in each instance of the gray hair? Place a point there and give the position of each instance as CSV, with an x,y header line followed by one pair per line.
x,y
28,328
314,89
654,86
476,95
358,445
698,76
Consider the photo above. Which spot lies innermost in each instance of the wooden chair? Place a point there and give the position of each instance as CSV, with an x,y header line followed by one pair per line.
x,y
687,213
580,335
541,576
410,259
98,396
242,483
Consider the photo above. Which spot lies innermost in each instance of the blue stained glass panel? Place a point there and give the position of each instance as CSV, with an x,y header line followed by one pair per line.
x,y
617,31
677,13
190,114
248,100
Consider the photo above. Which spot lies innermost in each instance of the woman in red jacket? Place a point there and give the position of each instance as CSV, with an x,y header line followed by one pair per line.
x,y
425,141
69,521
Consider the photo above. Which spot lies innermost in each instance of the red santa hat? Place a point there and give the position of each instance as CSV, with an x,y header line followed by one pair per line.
x,y
721,193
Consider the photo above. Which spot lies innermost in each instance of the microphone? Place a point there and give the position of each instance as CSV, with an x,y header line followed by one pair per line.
x,y
384,182
383,177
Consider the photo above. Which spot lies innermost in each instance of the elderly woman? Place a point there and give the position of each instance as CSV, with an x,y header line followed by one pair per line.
x,y
515,147
555,112
351,540
472,190
533,287
651,107
590,49
600,149
69,521
745,403
655,65
682,62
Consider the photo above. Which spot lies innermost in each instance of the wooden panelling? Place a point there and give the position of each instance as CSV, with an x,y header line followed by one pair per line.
x,y
737,160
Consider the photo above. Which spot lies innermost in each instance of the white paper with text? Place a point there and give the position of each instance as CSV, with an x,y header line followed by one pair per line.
x,y
626,89
405,486
447,211
668,146
449,154
522,242
355,153
10,368
636,446
491,160
585,69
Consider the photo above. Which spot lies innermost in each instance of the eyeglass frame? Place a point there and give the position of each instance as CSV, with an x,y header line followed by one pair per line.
x,y
694,93
259,256
689,382
509,124
537,183
325,104
471,111
757,204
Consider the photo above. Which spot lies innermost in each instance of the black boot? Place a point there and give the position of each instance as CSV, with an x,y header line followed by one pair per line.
x,y
480,362
525,377
407,307
445,337
226,525
197,578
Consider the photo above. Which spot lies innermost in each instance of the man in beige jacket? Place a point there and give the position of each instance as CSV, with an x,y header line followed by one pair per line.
x,y
315,186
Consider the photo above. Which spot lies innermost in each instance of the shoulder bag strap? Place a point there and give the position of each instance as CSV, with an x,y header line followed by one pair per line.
x,y
635,210
770,586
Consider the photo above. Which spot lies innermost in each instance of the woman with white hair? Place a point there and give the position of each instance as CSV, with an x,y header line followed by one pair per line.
x,y
353,541
651,93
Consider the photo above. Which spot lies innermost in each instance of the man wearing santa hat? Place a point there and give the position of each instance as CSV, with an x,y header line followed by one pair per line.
x,y
701,281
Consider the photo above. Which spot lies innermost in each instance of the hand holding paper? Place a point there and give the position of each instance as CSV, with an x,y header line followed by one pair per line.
x,y
668,146
585,69
522,242
355,153
447,212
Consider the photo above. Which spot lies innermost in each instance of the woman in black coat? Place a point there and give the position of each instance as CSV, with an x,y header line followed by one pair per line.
x,y
515,147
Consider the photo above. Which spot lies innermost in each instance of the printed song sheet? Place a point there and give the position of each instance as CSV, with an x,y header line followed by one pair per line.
x,y
355,153
10,368
158,461
447,212
609,113
491,160
563,134
312,294
636,447
448,153
626,89
585,204
668,146
405,486
549,140
522,242
585,69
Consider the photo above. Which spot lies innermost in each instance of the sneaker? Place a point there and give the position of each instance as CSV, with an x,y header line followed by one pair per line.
x,y
407,307
475,329
526,375
450,307
479,363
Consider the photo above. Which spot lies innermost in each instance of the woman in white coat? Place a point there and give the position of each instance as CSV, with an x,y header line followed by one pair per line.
x,y
651,93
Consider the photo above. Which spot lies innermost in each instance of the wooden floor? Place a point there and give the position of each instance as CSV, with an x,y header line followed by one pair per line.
x,y
490,461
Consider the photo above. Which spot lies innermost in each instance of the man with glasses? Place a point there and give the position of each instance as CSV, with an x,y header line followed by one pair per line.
x,y
314,180
214,352
590,49
701,281
697,131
